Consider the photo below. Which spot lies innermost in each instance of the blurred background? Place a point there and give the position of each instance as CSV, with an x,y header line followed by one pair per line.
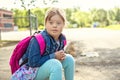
x,y
29,14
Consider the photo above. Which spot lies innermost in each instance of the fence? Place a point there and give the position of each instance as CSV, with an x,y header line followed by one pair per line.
x,y
31,21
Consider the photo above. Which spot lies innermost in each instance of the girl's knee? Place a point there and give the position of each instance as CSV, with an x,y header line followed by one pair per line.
x,y
52,66
69,59
56,64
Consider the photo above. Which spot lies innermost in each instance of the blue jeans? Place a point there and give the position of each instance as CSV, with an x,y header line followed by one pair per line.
x,y
52,69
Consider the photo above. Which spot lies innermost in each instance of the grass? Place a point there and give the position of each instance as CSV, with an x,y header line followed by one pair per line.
x,y
23,29
113,27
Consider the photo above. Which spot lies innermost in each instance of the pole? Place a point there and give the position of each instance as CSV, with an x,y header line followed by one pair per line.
x,y
30,26
0,31
0,35
36,23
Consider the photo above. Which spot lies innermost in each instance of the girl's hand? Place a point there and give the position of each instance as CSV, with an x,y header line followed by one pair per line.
x,y
60,55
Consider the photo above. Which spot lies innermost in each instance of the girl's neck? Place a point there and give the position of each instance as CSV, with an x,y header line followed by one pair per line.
x,y
56,39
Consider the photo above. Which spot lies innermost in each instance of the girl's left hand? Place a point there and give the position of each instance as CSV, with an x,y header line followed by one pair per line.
x,y
62,56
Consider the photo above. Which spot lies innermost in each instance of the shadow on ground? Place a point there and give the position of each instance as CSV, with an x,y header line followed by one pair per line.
x,y
104,67
5,43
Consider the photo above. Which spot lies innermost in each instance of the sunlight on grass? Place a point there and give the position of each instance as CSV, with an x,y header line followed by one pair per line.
x,y
114,27
22,29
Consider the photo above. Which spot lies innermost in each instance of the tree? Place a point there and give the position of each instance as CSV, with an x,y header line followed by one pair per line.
x,y
20,18
117,12
26,4
100,16
40,13
81,18
111,16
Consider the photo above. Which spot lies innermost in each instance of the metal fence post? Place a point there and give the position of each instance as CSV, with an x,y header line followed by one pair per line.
x,y
30,22
0,35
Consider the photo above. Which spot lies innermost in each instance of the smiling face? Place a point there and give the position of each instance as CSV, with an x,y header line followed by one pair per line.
x,y
54,26
55,22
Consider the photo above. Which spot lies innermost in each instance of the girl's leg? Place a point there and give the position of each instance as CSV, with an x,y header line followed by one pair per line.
x,y
68,65
51,69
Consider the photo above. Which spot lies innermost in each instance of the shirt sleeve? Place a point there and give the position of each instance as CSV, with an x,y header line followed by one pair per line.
x,y
34,57
52,55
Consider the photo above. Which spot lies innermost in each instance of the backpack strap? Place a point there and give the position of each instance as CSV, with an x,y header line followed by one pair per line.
x,y
41,42
65,42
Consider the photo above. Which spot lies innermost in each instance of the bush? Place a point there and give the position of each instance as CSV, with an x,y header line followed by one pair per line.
x,y
41,27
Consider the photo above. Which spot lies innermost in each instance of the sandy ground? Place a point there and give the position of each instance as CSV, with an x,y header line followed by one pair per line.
x,y
105,42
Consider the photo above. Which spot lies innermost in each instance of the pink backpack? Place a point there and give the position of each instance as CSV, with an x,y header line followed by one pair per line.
x,y
20,49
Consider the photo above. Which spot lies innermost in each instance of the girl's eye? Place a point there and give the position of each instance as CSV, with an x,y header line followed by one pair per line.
x,y
51,22
58,23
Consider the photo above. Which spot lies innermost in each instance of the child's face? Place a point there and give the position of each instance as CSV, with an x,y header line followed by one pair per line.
x,y
54,26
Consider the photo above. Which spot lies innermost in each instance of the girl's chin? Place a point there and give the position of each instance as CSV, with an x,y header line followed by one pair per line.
x,y
55,36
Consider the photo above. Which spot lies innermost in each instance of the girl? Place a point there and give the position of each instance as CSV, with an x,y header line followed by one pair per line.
x,y
50,65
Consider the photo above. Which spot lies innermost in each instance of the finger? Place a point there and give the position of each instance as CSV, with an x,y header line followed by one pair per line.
x,y
62,58
61,51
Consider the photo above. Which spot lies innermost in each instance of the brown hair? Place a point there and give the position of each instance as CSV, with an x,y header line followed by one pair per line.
x,y
53,11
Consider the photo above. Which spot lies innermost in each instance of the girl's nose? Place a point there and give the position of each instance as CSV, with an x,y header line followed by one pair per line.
x,y
54,25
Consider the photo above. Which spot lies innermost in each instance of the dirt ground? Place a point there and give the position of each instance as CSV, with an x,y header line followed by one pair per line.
x,y
105,66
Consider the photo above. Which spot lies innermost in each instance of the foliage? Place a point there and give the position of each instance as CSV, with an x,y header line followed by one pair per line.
x,y
76,18
117,16
41,27
40,13
100,16
27,4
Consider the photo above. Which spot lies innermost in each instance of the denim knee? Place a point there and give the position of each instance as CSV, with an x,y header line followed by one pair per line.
x,y
70,58
56,65
51,69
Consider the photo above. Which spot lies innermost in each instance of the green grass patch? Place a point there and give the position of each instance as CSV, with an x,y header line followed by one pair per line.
x,y
113,27
23,29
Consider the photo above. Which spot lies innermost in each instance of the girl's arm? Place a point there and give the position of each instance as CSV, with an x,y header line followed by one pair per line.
x,y
34,57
